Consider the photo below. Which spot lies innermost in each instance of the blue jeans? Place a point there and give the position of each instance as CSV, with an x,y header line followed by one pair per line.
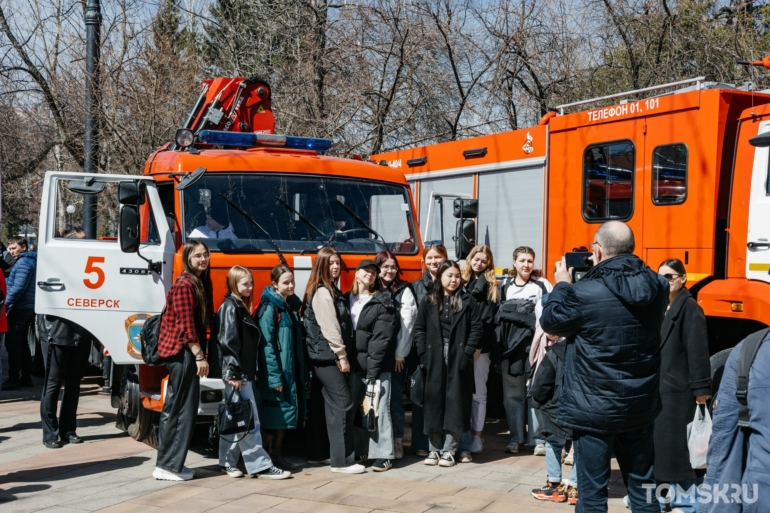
x,y
634,452
515,403
397,404
553,450
684,495
255,458
444,442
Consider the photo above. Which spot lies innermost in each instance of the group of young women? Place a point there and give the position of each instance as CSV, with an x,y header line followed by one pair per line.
x,y
357,345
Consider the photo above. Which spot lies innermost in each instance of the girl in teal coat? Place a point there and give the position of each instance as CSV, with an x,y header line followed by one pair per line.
x,y
281,386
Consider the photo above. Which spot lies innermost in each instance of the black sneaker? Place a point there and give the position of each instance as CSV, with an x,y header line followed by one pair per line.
x,y
381,465
273,473
432,459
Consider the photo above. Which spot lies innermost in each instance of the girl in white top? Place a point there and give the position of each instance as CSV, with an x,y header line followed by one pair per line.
x,y
524,284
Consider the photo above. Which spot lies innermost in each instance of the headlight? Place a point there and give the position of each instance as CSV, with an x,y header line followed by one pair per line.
x,y
184,137
211,396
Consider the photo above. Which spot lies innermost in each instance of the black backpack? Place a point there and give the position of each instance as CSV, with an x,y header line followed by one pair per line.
x,y
149,338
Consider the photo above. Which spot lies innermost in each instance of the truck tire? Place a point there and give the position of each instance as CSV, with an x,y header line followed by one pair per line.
x,y
137,420
718,362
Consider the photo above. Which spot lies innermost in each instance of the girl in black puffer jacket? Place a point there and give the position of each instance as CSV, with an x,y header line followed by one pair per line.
x,y
374,316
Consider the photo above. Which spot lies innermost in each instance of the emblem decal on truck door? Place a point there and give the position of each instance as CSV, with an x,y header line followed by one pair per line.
x,y
528,145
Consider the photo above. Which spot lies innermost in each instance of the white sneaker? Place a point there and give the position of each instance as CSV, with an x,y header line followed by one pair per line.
x,y
350,469
512,448
232,472
447,460
477,445
432,459
465,457
540,450
570,459
166,475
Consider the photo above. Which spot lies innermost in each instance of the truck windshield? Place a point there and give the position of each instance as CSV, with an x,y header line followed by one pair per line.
x,y
299,213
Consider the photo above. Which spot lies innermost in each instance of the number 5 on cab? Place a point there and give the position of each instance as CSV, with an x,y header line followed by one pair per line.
x,y
91,268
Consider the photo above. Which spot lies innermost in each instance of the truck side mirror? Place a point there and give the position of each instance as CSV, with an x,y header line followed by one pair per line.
x,y
129,228
465,238
132,193
465,208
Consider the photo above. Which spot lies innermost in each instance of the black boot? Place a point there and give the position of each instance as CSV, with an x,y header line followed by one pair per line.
x,y
276,448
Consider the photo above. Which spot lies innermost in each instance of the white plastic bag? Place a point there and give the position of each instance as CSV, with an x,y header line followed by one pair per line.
x,y
698,434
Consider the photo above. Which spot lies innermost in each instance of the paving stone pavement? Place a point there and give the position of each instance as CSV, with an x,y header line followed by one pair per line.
x,y
110,472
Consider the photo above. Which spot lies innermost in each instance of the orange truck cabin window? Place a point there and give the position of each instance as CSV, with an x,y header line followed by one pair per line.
x,y
608,181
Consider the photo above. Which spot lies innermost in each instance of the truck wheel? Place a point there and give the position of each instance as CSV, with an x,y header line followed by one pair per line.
x,y
718,362
137,420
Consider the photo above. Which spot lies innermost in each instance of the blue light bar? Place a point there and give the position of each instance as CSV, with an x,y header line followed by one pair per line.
x,y
250,140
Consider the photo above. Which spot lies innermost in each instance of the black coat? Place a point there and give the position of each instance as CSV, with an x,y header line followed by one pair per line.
x,y
685,372
421,287
448,389
546,389
60,332
237,335
478,288
612,320
376,336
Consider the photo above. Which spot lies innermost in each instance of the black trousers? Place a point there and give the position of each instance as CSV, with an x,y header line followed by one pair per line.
x,y
17,344
180,407
315,427
338,408
64,365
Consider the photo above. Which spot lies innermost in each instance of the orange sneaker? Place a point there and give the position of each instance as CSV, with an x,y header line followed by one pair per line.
x,y
549,492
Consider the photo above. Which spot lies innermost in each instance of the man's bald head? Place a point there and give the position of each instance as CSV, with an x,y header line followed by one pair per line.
x,y
615,238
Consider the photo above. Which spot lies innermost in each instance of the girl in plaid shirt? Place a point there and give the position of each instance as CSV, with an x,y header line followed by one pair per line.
x,y
181,340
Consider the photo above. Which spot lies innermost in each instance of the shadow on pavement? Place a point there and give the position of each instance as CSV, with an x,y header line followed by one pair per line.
x,y
60,472
10,495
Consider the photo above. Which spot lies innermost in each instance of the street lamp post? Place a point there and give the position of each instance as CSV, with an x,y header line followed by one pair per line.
x,y
93,19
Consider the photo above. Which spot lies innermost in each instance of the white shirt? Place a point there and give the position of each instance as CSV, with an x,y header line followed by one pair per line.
x,y
408,318
203,232
531,291
357,302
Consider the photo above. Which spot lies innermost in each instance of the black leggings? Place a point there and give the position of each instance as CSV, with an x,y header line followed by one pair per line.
x,y
339,414
180,407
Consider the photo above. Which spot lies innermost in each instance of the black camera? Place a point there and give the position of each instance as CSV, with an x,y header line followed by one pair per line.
x,y
580,262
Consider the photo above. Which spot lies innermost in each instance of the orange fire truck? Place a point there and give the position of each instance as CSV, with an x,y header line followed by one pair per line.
x,y
278,199
684,164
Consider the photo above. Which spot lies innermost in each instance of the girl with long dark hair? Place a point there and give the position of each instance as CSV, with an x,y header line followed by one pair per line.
x,y
238,337
447,333
181,344
329,337
281,390
406,312
685,384
433,256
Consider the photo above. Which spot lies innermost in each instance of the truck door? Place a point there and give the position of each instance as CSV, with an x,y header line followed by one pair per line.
x,y
758,247
91,281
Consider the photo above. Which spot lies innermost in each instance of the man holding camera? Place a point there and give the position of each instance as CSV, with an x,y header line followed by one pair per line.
x,y
612,319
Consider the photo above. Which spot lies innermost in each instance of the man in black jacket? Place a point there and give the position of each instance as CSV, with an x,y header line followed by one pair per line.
x,y
612,320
